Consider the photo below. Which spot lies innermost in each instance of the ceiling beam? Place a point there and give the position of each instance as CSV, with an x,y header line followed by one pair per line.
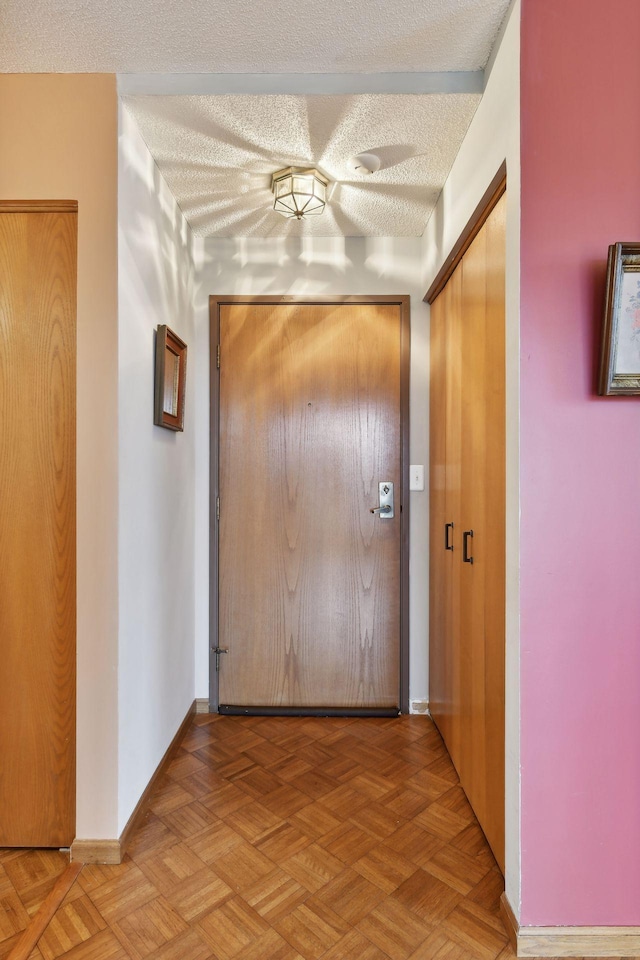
x,y
212,84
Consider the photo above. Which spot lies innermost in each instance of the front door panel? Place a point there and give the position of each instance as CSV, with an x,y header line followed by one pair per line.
x,y
309,586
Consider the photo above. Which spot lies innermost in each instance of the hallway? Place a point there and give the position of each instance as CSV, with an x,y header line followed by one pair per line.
x,y
281,839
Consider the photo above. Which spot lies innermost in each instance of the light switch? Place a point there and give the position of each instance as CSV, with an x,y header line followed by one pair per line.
x,y
416,476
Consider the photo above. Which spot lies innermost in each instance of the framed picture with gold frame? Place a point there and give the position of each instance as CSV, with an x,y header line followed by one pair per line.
x,y
620,351
170,379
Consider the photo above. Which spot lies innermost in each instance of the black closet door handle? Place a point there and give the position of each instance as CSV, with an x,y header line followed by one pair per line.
x,y
447,544
466,557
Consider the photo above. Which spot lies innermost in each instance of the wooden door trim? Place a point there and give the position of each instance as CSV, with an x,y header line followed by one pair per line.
x,y
475,223
38,206
403,301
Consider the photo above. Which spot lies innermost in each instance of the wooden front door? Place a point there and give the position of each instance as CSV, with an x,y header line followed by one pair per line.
x,y
37,524
309,581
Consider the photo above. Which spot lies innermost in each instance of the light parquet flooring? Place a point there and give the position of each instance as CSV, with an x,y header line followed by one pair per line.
x,y
284,839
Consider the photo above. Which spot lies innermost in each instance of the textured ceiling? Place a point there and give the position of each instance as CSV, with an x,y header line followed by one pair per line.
x,y
217,155
245,36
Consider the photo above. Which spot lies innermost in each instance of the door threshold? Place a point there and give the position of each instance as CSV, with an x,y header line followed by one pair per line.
x,y
232,710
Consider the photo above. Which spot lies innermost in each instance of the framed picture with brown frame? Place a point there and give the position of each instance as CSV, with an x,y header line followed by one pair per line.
x,y
620,351
170,381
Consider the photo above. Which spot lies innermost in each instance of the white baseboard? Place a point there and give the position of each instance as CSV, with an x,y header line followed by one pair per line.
x,y
419,706
112,851
202,705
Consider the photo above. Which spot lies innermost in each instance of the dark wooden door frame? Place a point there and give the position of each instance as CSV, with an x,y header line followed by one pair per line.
x,y
215,302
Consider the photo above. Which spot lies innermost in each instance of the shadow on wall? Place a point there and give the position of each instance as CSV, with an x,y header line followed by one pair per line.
x,y
309,266
169,234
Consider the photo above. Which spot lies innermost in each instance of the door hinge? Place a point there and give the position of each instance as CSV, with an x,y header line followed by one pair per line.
x,y
218,357
217,651
217,508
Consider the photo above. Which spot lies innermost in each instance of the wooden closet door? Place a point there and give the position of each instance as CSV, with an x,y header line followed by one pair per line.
x,y
440,692
472,521
468,461
483,511
454,394
37,527
445,451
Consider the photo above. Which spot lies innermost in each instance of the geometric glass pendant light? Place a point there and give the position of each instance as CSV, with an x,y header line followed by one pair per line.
x,y
299,192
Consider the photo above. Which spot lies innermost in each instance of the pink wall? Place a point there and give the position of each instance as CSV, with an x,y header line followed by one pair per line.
x,y
580,470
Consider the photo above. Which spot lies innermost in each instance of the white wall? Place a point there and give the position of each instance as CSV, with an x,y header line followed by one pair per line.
x,y
160,472
156,473
493,136
311,267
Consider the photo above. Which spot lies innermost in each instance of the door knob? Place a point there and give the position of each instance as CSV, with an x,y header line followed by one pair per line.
x,y
385,501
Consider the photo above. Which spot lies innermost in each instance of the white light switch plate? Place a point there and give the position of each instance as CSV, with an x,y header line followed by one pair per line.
x,y
416,476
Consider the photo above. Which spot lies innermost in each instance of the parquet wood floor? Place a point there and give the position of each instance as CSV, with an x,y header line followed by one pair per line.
x,y
283,839
26,879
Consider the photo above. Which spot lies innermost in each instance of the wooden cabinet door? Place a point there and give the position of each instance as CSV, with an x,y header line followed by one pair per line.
x,y
37,528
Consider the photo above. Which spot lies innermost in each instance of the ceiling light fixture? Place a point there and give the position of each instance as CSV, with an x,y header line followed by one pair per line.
x,y
299,192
